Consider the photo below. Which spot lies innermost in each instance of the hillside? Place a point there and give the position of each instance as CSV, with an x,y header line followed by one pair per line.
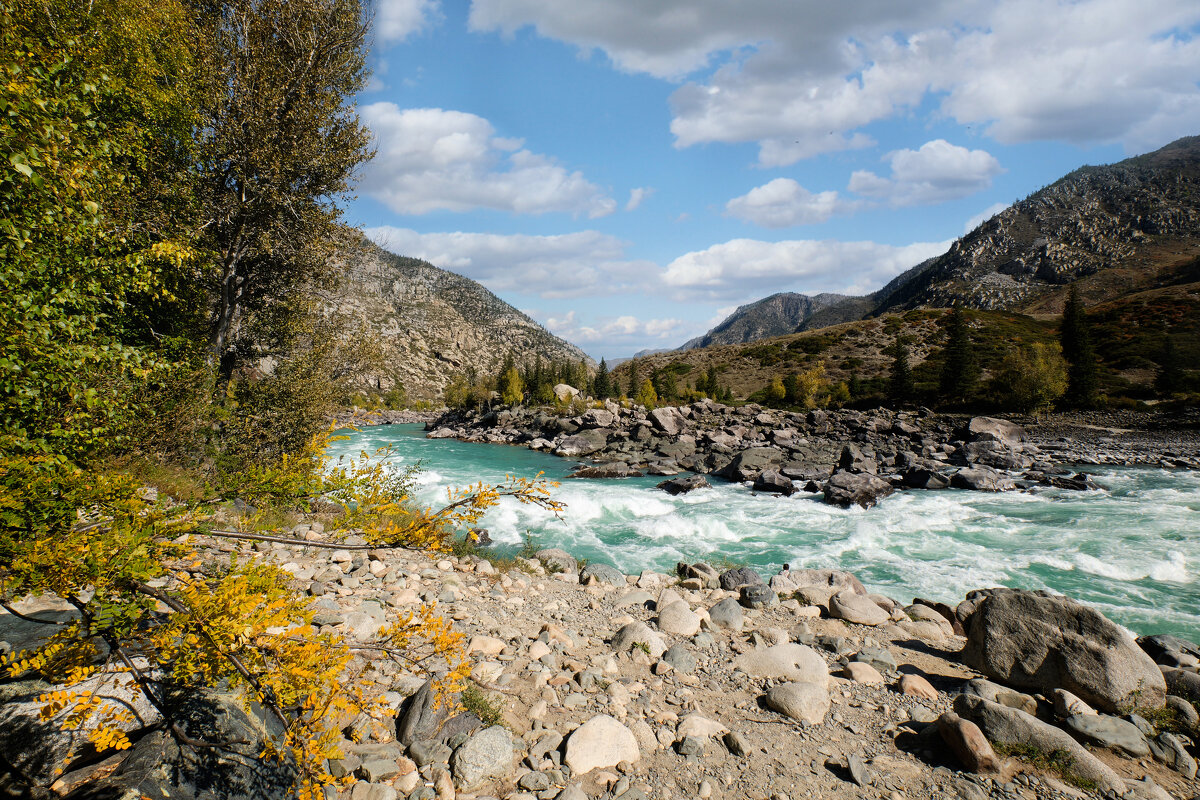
x,y
430,323
781,314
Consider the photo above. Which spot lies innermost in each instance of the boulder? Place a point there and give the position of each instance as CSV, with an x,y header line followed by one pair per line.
x,y
856,608
727,614
564,393
756,595
487,754
582,444
836,579
705,573
1001,695
920,478
1110,732
684,485
1182,683
968,743
611,470
635,634
421,715
602,573
853,460
806,702
1045,643
982,479
748,464
1011,727
916,686
732,579
667,419
795,662
771,482
996,430
678,619
557,560
598,743
847,489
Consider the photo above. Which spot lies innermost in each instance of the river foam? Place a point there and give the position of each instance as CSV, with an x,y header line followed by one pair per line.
x,y
1129,549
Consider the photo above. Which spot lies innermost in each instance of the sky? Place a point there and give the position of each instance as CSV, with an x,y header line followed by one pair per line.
x,y
628,172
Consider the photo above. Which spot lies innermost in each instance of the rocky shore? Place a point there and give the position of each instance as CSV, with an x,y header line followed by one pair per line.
x,y
853,457
701,684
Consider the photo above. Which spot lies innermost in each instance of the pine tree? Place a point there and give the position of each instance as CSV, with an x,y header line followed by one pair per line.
x,y
1082,380
603,389
1169,379
960,370
900,387
635,380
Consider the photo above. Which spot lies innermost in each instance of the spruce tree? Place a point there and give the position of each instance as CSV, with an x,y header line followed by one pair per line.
x,y
635,380
900,385
960,370
1082,379
1170,369
603,382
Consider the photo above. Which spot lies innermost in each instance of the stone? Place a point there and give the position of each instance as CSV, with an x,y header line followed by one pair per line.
x,y
748,464
806,702
916,686
1068,705
1184,710
982,479
847,489
859,773
678,619
677,486
598,743
862,673
582,444
857,608
602,573
421,715
1169,749
735,744
757,595
1182,683
1011,727
487,754
1029,641
727,614
697,727
968,743
680,659
635,634
487,645
795,662
372,791
667,419
771,482
732,579
534,782
557,560
564,393
878,657
1111,732
997,430
981,687
920,478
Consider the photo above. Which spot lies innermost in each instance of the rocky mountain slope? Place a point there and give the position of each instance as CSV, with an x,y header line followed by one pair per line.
x,y
431,323
781,314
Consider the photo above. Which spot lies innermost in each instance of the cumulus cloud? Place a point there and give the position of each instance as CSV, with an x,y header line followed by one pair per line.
x,y
623,331
783,203
431,159
396,20
636,196
743,269
580,264
807,82
937,172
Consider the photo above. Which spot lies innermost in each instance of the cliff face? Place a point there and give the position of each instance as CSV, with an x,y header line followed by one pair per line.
x,y
430,323
1115,229
781,314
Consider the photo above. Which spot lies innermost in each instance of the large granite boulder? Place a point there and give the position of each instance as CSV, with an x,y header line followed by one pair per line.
x,y
771,482
684,485
749,464
1031,641
982,479
582,444
847,489
668,420
982,429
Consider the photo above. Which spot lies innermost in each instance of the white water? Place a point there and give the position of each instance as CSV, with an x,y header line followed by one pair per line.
x,y
1131,550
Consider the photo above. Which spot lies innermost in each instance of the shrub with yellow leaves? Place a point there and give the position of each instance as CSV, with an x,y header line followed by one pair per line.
x,y
147,609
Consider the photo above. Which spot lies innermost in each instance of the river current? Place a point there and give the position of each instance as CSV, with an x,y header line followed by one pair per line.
x,y
1131,550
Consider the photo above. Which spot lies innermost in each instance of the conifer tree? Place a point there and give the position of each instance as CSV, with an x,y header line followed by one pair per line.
x,y
960,370
1082,380
603,388
635,380
900,381
1169,378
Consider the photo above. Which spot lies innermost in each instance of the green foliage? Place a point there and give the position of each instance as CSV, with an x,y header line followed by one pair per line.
x,y
960,370
776,392
1082,380
1031,379
646,395
482,705
901,388
512,388
603,387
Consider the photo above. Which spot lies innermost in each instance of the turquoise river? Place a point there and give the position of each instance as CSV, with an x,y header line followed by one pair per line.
x,y
1130,551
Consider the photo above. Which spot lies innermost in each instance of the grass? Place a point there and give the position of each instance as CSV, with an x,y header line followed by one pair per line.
x,y
482,705
1058,762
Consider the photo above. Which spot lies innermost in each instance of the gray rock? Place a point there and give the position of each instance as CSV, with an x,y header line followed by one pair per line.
x,y
1182,683
994,692
429,751
757,595
678,619
582,444
1044,643
806,702
603,573
1169,749
680,659
920,478
997,430
982,479
858,770
487,754
1111,732
847,489
748,464
534,782
1009,726
771,482
1184,710
667,420
558,560
735,744
731,579
795,662
421,715
857,608
878,657
727,614
636,634
678,486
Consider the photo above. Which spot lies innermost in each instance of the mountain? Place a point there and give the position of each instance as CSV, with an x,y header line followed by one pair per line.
x,y
429,323
1114,229
781,314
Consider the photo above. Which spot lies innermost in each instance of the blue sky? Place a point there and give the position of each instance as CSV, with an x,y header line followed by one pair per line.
x,y
628,172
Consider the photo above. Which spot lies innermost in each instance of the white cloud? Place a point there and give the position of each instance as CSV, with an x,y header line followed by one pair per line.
x,y
396,20
743,269
937,172
783,203
431,159
983,216
622,331
806,79
587,263
636,196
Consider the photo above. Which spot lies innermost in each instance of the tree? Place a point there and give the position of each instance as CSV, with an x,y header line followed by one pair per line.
x,y
776,392
1075,336
646,395
806,385
1169,378
603,385
279,141
900,379
960,369
512,390
635,380
1031,379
